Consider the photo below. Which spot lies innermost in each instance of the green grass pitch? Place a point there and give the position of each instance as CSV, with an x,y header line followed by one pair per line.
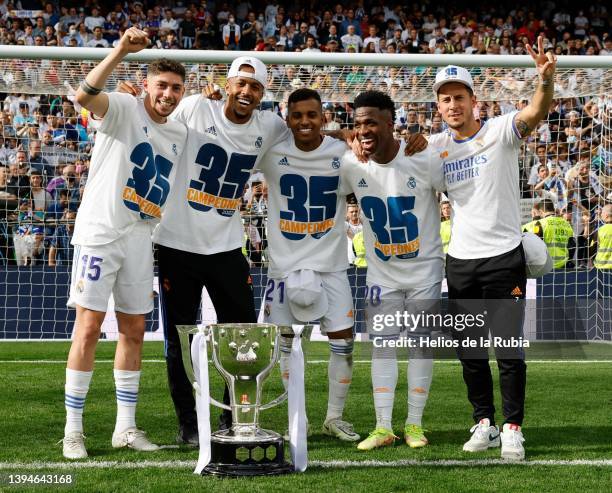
x,y
569,417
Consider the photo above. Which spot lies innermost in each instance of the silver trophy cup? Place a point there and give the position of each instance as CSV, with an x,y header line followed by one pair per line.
x,y
244,354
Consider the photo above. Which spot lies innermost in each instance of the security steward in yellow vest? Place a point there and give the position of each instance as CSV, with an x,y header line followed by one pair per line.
x,y
556,232
360,250
445,224
445,234
603,259
536,215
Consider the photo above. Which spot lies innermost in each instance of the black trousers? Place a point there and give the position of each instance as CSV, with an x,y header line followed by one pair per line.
x,y
498,285
182,275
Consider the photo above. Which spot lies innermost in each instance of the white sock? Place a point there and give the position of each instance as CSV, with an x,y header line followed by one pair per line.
x,y
420,372
75,392
126,388
285,353
339,375
384,380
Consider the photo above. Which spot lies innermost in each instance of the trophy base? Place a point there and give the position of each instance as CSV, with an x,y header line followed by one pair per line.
x,y
259,457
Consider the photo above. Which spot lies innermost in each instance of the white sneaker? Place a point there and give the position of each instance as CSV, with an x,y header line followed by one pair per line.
x,y
74,445
135,439
512,442
484,436
340,429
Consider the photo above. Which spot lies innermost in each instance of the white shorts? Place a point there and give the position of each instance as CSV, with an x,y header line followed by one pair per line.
x,y
339,314
123,267
383,304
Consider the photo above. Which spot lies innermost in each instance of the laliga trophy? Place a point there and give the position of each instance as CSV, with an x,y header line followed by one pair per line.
x,y
244,354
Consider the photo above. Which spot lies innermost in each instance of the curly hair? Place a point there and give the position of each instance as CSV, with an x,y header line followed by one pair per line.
x,y
375,99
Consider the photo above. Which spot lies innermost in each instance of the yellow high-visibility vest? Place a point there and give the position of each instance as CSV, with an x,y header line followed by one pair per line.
x,y
244,246
360,250
445,235
603,259
556,232
531,227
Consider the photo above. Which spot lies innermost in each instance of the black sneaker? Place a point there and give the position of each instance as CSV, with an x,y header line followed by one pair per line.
x,y
188,435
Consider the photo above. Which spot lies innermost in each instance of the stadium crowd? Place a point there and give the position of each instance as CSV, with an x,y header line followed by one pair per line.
x,y
46,140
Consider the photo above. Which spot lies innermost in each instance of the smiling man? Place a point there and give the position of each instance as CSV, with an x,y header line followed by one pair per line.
x,y
401,224
485,258
200,236
307,278
132,165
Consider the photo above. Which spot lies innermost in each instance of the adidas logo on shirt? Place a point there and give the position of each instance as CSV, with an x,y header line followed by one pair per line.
x,y
362,183
284,161
211,130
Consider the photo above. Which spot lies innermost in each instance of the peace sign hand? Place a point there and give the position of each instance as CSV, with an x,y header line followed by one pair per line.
x,y
546,62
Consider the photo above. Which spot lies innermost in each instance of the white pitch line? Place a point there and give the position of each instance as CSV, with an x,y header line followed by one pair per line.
x,y
333,464
315,361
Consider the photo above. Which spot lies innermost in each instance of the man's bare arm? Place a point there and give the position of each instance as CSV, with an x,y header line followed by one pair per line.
x,y
90,94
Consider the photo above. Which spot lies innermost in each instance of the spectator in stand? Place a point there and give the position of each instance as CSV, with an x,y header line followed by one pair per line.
x,y
299,40
437,125
97,41
585,191
61,250
50,37
18,183
351,40
169,22
311,47
187,31
23,118
66,181
249,32
231,34
111,27
348,21
152,23
27,37
59,205
329,34
167,41
39,27
84,33
38,162
73,34
253,243
41,199
373,38
329,121
68,19
551,185
5,192
206,37
94,20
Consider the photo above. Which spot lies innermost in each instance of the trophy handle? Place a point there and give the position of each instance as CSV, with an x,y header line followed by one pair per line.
x,y
220,405
185,332
275,402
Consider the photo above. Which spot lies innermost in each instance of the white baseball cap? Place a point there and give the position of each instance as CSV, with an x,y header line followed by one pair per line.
x,y
537,259
306,296
261,72
452,73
